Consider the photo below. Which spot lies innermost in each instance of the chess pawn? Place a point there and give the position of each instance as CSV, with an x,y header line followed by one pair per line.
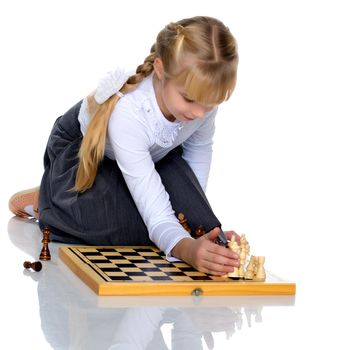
x,y
249,274
36,265
260,272
235,248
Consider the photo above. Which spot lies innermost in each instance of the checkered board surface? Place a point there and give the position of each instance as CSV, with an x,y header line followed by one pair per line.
x,y
121,270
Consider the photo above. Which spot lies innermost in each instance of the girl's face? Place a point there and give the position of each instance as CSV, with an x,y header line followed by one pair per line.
x,y
172,99
175,105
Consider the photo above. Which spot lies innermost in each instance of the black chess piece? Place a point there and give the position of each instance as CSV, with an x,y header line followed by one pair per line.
x,y
45,252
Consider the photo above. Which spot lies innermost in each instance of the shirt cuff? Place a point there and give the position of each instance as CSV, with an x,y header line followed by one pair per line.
x,y
166,235
168,255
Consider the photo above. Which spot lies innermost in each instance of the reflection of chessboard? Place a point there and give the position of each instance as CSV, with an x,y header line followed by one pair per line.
x,y
130,270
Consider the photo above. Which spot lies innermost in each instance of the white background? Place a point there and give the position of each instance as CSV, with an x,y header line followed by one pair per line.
x,y
280,171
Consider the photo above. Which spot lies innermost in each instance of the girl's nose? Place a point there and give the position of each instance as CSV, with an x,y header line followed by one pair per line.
x,y
199,111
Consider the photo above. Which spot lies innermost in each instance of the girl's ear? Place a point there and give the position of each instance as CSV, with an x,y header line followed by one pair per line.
x,y
158,68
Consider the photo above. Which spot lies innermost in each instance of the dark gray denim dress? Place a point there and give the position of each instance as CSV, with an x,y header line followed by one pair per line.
x,y
106,214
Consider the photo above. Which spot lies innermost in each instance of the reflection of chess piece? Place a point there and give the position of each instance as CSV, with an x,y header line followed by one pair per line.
x,y
256,312
260,271
230,332
249,274
258,315
235,248
239,321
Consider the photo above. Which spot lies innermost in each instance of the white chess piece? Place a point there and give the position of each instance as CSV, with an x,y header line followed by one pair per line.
x,y
236,249
260,272
243,255
249,274
242,259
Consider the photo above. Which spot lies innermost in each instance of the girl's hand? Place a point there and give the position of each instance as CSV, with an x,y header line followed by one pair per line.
x,y
206,256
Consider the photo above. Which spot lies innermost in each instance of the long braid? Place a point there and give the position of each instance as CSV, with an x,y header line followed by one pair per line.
x,y
92,148
199,53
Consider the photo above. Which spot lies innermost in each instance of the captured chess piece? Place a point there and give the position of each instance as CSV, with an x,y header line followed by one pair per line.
x,y
45,252
200,231
36,265
183,222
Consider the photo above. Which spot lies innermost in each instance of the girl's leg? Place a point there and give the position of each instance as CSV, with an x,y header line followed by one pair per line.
x,y
107,215
25,203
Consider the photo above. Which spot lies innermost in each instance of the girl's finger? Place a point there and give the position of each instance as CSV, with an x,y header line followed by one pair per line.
x,y
220,251
211,235
213,268
220,260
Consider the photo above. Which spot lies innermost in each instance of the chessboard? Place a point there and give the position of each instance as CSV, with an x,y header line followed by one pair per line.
x,y
144,270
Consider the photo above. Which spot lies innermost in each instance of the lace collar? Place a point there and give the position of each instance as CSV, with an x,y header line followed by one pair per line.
x,y
165,131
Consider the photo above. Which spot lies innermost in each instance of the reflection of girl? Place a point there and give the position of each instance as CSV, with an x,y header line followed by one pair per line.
x,y
120,164
72,316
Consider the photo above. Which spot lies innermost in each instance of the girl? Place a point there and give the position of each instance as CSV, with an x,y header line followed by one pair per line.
x,y
121,164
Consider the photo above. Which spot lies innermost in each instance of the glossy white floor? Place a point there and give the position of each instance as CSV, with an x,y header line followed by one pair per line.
x,y
280,173
54,306
54,309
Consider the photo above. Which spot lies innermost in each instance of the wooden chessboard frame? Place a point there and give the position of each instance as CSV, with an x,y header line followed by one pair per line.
x,y
80,259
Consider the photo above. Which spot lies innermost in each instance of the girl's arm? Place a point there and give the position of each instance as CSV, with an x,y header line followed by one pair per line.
x,y
198,149
131,140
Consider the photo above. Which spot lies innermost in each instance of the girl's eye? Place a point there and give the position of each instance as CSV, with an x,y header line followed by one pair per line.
x,y
187,99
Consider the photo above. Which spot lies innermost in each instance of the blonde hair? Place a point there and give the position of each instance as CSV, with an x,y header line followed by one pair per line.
x,y
199,53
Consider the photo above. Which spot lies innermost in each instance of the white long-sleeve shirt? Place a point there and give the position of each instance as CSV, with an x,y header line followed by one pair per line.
x,y
138,136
